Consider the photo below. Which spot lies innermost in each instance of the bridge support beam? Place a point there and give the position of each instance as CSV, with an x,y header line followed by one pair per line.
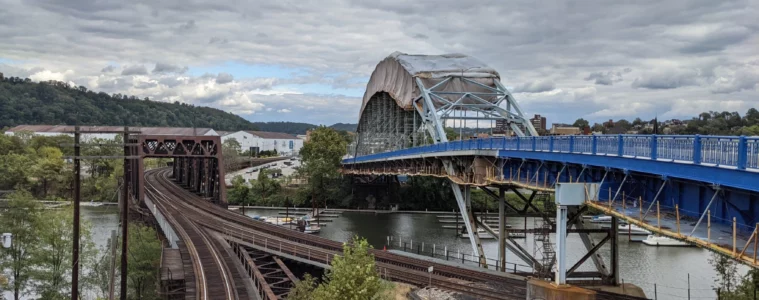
x,y
464,200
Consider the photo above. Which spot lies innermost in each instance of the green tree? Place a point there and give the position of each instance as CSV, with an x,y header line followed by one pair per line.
x,y
240,193
144,260
581,123
451,134
264,186
321,158
48,167
53,255
230,150
353,276
21,219
304,289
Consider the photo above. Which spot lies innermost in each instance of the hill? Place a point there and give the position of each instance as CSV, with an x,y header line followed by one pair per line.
x,y
56,103
286,127
345,127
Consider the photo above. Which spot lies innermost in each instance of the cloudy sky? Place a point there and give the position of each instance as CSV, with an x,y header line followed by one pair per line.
x,y
309,60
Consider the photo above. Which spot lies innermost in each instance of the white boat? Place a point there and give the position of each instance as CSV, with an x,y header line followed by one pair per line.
x,y
629,229
312,229
657,240
601,219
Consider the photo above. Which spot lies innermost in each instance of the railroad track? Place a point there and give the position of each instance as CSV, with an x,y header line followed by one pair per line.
x,y
484,285
213,278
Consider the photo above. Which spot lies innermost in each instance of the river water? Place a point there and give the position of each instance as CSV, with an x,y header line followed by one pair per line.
x,y
667,267
644,266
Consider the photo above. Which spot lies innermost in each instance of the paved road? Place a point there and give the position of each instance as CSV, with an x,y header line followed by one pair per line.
x,y
249,174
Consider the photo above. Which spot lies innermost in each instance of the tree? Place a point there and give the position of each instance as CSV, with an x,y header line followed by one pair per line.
x,y
48,167
637,122
752,117
265,186
598,128
52,257
624,124
144,260
451,134
304,289
352,276
21,219
240,193
321,158
581,123
230,150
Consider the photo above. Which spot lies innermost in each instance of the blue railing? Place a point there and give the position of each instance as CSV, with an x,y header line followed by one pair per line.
x,y
728,151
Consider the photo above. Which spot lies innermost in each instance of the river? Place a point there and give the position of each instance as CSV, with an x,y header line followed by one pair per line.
x,y
639,264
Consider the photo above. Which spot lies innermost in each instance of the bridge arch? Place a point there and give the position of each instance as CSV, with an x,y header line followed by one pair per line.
x,y
410,99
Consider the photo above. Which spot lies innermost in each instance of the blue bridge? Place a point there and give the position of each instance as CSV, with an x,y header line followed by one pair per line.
x,y
697,189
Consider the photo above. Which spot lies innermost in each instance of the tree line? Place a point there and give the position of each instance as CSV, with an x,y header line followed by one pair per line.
x,y
706,123
57,103
34,168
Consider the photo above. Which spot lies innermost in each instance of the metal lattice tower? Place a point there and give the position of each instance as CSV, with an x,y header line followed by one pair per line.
x,y
543,248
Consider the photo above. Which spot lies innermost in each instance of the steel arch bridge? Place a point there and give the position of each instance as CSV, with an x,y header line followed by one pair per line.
x,y
678,186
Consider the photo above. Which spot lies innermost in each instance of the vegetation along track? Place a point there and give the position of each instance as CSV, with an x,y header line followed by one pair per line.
x,y
469,281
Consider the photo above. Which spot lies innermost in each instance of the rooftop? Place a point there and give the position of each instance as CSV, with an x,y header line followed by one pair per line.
x,y
272,135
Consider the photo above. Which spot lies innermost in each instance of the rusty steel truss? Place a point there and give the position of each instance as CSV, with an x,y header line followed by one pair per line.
x,y
197,164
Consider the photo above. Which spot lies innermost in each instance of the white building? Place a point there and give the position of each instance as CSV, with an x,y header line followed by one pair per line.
x,y
96,131
283,143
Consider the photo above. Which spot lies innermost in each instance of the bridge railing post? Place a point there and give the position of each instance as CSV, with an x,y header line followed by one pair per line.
x,y
571,143
697,149
594,145
550,143
519,141
654,146
534,143
620,145
742,153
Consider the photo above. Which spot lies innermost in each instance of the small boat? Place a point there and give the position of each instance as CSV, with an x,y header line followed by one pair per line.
x,y
601,219
306,227
657,240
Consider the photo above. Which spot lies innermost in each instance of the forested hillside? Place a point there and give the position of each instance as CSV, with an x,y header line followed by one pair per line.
x,y
344,127
286,127
25,102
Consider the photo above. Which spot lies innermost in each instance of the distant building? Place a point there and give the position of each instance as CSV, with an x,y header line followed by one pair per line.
x,y
539,122
257,141
303,137
570,130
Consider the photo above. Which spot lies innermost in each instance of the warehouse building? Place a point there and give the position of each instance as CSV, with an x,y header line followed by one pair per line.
x,y
257,141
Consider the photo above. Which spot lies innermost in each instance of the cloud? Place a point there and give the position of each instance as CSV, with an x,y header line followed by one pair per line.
x,y
684,108
168,68
218,41
667,79
284,110
537,86
668,50
108,69
135,70
45,75
608,78
189,26
224,78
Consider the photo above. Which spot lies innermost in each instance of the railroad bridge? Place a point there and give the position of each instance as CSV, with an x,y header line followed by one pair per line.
x,y
652,181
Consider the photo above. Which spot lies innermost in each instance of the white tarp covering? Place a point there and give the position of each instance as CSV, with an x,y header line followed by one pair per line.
x,y
396,75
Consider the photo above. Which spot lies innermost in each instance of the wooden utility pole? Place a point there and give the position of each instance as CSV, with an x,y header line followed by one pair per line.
x,y
112,271
125,217
77,199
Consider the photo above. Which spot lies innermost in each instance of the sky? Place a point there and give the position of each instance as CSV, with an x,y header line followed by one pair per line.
x,y
309,61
